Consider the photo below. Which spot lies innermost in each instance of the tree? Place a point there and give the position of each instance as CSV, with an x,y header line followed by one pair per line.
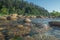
x,y
22,7
55,13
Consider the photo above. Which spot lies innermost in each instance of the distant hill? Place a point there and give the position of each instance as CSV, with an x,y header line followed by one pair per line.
x,y
21,7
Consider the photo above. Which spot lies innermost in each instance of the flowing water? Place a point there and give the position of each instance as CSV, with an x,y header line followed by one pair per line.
x,y
54,31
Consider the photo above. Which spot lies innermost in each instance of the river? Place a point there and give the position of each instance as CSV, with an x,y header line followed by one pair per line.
x,y
54,31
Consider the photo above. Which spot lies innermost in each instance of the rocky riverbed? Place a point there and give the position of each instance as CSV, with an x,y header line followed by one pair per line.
x,y
18,27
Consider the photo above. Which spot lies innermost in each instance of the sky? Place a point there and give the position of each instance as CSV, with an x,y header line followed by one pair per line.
x,y
50,5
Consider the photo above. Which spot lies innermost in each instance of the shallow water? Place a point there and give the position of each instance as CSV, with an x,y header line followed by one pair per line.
x,y
54,31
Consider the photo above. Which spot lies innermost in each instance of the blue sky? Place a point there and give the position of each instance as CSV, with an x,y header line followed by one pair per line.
x,y
50,5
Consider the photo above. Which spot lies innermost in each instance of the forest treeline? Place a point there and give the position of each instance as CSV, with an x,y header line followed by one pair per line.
x,y
55,13
21,7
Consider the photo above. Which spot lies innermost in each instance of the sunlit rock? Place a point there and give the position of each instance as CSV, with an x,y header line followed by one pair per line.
x,y
14,15
3,18
1,28
32,16
20,16
27,20
21,27
11,18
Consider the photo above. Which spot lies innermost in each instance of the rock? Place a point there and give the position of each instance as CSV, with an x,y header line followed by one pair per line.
x,y
27,17
25,31
40,17
1,28
27,20
32,16
27,24
46,17
11,18
1,36
29,38
28,29
14,15
21,27
8,18
45,26
54,23
3,18
6,15
20,16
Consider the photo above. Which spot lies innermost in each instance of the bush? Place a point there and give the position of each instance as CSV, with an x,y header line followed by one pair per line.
x,y
4,10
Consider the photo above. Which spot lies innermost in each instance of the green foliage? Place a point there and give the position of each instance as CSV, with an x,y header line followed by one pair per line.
x,y
55,13
4,10
21,7
12,10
